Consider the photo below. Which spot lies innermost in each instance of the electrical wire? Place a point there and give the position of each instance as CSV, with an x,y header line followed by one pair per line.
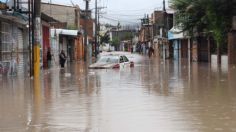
x,y
130,15
118,20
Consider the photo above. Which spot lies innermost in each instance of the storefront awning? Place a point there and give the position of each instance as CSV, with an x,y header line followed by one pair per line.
x,y
175,33
65,32
69,32
14,19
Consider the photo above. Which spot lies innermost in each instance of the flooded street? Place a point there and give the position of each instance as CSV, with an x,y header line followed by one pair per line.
x,y
153,96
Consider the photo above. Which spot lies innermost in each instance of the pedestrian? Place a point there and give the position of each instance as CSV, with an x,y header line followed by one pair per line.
x,y
49,58
62,58
143,49
150,51
146,48
139,48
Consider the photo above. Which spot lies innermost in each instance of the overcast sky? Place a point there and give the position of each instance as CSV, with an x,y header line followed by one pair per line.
x,y
124,11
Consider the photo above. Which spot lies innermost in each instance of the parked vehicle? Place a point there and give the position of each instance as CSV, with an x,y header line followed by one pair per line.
x,y
112,61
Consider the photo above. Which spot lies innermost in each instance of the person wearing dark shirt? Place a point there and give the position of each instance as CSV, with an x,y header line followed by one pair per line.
x,y
150,51
49,58
62,58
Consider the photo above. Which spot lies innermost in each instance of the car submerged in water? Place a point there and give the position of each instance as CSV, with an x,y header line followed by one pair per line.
x,y
112,61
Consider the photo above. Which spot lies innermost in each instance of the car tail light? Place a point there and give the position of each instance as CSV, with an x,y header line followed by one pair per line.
x,y
131,64
116,66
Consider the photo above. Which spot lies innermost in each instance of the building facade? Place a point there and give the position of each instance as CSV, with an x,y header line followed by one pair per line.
x,y
232,43
14,45
66,14
68,40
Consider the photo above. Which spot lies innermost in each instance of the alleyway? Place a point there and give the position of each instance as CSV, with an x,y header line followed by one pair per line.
x,y
153,96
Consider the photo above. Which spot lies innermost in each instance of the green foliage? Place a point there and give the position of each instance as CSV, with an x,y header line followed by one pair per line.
x,y
205,16
128,36
108,25
118,26
71,27
115,41
105,39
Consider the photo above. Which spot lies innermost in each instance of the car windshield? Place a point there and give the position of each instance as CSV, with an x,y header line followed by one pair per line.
x,y
108,59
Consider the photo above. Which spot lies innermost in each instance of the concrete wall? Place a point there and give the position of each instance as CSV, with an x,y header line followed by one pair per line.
x,y
176,49
234,23
232,47
62,13
184,48
90,27
195,51
158,17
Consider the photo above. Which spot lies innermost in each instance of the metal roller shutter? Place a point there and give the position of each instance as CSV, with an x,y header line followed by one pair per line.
x,y
20,56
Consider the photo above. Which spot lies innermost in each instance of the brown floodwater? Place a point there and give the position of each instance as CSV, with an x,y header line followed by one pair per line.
x,y
153,96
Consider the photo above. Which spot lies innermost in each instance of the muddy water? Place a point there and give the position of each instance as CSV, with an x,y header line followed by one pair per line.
x,y
153,96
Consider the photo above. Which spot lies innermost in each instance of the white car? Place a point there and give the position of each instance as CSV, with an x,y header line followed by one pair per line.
x,y
112,61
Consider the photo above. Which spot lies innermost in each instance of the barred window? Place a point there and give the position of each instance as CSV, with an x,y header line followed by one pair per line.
x,y
8,39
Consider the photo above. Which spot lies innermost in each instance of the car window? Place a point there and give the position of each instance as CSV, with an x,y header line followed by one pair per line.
x,y
108,59
125,59
121,59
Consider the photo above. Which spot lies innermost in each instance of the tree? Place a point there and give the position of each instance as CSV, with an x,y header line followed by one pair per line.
x,y
118,26
206,16
115,42
105,38
128,36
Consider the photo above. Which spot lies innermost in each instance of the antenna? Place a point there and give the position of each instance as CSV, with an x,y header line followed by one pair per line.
x,y
164,5
72,3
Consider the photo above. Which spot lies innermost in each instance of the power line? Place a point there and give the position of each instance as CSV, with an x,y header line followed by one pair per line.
x,y
126,14
141,9
118,17
121,18
113,19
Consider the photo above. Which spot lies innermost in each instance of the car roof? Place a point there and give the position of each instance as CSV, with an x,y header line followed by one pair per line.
x,y
113,55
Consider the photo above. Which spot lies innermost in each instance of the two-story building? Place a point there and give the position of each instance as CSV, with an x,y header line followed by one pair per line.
x,y
14,44
154,30
75,21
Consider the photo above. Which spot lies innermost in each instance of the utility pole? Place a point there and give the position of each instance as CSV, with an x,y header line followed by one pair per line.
x,y
149,31
145,25
98,30
30,15
164,30
0,42
164,5
85,29
96,27
50,8
37,37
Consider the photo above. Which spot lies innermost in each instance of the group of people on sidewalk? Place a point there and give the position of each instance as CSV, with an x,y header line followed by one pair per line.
x,y
144,49
62,58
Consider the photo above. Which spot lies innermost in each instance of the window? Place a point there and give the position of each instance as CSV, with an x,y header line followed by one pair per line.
x,y
8,39
125,59
121,59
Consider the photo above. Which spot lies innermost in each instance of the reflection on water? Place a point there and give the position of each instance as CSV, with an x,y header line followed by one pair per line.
x,y
153,96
